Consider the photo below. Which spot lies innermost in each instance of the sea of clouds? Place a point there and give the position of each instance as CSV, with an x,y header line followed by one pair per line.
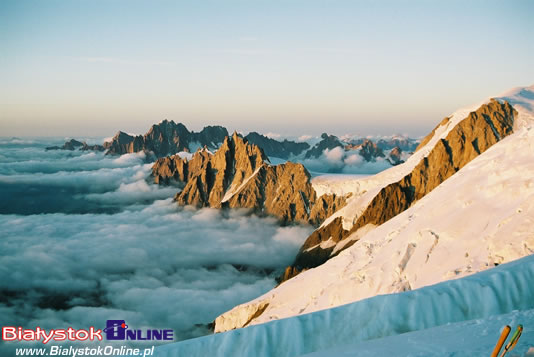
x,y
86,237
339,161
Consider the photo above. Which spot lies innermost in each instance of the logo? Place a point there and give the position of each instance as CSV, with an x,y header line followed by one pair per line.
x,y
11,333
117,330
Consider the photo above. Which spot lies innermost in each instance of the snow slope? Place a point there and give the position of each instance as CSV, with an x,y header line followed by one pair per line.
x,y
480,296
381,286
339,184
470,338
363,190
480,217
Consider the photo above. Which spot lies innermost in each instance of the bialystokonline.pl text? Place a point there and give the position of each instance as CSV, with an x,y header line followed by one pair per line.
x,y
85,351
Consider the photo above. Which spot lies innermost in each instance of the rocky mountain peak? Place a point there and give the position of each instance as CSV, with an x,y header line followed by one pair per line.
x,y
211,135
274,148
238,175
122,138
467,139
328,142
166,138
168,129
368,149
72,144
395,156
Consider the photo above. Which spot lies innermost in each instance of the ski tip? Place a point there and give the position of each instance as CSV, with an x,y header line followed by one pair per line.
x,y
516,336
502,339
513,340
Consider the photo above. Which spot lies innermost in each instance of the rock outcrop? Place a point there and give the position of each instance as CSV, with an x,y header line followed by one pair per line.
x,y
166,138
388,143
395,156
403,143
238,175
328,142
367,149
469,138
274,148
95,147
74,144
123,143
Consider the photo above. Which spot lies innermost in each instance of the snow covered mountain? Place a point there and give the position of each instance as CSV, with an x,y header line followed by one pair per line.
x,y
461,317
449,147
480,217
464,251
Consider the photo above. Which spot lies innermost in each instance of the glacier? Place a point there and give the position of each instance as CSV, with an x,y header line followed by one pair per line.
x,y
485,295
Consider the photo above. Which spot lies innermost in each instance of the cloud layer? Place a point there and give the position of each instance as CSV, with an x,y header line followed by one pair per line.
x,y
148,262
164,265
338,160
34,181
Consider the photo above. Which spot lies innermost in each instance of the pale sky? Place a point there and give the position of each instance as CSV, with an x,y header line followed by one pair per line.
x,y
292,67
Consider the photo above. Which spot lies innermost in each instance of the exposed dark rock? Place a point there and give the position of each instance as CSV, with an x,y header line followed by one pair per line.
x,y
395,156
289,273
328,142
73,144
165,138
238,175
427,138
469,138
367,149
211,136
404,143
95,147
161,139
274,148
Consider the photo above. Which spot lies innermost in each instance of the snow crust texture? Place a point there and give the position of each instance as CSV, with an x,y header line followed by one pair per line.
x,y
468,338
480,296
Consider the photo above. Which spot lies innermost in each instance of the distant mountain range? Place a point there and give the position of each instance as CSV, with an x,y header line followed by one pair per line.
x,y
168,138
238,175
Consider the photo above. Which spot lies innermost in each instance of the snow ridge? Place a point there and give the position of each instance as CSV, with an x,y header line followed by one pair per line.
x,y
497,291
364,189
480,217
